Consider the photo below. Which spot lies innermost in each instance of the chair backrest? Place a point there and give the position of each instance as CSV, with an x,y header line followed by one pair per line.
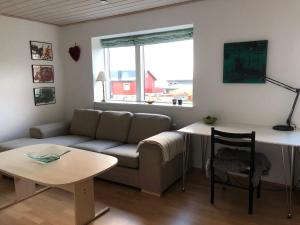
x,y
242,140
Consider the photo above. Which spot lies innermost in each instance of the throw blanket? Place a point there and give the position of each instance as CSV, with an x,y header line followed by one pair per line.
x,y
171,144
234,160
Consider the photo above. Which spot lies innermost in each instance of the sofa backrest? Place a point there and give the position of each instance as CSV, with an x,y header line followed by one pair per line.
x,y
144,125
84,122
114,125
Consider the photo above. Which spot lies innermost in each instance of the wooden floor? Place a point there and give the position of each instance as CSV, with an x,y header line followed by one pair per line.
x,y
131,207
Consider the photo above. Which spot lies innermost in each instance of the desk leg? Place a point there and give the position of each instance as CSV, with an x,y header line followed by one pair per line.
x,y
185,158
291,186
290,183
84,203
203,144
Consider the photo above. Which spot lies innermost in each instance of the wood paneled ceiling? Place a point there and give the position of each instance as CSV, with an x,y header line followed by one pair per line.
x,y
65,12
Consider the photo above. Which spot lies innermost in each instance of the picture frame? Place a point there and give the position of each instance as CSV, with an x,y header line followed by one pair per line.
x,y
41,51
42,73
245,62
44,96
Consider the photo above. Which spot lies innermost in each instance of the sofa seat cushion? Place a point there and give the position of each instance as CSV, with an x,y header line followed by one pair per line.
x,y
18,143
144,125
114,125
84,122
66,140
97,145
126,154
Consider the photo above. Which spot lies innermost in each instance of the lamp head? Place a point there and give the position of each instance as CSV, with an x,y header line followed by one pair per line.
x,y
101,76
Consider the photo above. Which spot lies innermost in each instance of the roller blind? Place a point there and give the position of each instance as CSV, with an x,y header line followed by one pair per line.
x,y
148,39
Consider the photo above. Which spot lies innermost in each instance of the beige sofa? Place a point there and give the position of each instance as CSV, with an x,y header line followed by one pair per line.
x,y
118,134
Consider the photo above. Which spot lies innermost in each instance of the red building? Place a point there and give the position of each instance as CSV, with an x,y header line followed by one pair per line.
x,y
127,86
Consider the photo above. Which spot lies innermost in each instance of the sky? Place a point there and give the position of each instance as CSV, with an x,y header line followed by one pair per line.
x,y
168,61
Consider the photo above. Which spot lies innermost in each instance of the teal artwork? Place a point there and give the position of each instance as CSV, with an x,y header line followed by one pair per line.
x,y
245,62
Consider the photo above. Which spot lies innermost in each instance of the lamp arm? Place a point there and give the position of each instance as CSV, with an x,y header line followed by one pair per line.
x,y
289,119
280,84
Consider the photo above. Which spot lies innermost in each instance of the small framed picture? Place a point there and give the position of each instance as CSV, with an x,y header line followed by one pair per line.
x,y
41,51
43,74
44,96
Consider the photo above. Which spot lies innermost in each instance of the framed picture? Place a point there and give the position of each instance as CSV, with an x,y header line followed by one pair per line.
x,y
245,62
43,74
44,96
41,50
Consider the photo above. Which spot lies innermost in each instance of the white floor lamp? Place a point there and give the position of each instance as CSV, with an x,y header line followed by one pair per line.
x,y
101,77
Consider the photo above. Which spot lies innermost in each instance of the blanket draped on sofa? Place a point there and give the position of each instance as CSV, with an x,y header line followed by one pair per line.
x,y
170,143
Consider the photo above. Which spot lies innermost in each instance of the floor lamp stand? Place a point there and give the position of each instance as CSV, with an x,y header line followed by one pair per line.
x,y
103,92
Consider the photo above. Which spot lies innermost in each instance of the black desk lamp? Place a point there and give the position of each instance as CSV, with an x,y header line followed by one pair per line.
x,y
288,126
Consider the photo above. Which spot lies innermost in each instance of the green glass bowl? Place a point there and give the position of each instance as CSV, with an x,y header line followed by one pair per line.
x,y
209,120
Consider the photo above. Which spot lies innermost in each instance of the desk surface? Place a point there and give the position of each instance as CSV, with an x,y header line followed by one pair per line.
x,y
73,167
264,134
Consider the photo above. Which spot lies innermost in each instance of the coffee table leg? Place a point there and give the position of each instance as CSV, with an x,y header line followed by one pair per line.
x,y
84,203
24,188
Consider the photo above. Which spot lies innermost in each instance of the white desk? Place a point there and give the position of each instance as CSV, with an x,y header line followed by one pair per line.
x,y
73,172
288,139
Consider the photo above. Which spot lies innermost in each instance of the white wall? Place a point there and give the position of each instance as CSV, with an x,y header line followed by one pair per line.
x,y
17,110
215,22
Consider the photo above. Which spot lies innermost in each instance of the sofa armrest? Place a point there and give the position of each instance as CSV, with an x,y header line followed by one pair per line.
x,y
156,174
49,130
171,143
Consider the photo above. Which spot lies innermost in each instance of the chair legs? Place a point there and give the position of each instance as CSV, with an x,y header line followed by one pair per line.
x,y
251,190
258,190
212,186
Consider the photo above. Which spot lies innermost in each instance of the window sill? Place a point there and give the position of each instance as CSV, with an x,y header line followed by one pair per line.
x,y
146,104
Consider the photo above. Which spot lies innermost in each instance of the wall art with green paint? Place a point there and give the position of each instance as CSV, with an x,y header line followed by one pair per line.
x,y
245,62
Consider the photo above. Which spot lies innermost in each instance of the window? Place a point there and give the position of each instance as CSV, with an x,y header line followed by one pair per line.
x,y
169,71
122,75
156,66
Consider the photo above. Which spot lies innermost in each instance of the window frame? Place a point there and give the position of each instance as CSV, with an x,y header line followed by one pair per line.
x,y
140,77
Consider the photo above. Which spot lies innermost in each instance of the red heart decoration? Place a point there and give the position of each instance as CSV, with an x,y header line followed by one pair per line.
x,y
75,52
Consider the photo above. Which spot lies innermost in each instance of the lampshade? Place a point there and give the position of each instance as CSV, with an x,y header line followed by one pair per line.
x,y
101,76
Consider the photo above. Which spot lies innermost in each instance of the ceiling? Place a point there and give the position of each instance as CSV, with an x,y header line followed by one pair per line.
x,y
65,12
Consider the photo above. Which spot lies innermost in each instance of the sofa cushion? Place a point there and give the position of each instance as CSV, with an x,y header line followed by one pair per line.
x,y
97,145
84,122
144,125
17,143
66,140
126,154
114,125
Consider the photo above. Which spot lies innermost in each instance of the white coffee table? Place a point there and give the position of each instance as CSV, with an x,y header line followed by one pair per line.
x,y
73,172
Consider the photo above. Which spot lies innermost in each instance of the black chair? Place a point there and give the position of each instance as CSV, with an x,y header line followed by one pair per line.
x,y
236,140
